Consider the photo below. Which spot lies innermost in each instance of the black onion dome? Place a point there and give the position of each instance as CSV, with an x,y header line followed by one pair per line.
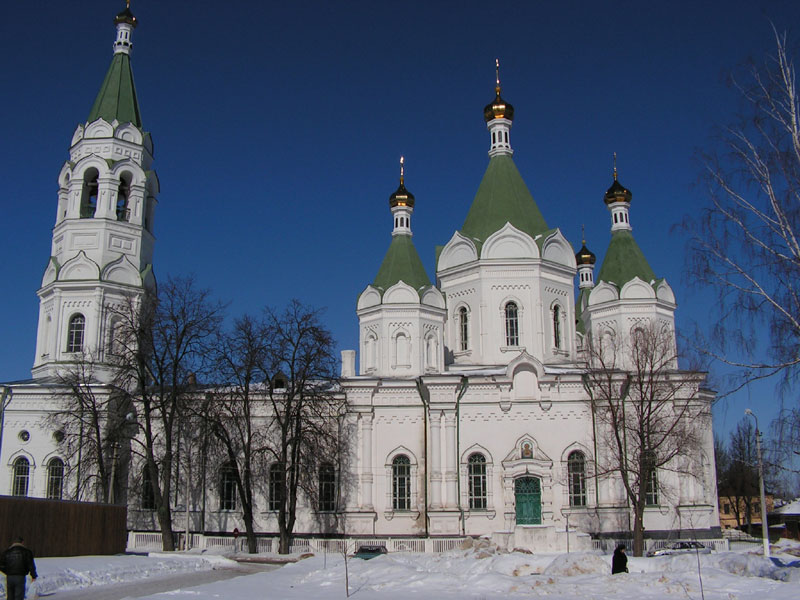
x,y
126,16
402,197
498,109
585,257
617,193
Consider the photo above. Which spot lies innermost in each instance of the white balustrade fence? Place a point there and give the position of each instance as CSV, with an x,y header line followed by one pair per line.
x,y
141,541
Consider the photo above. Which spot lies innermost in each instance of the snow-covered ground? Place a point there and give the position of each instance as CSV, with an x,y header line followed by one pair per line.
x,y
474,574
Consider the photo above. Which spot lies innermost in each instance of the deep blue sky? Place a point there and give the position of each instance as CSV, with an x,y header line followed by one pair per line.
x,y
278,127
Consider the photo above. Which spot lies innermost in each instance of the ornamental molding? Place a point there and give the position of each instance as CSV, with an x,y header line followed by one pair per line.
x,y
461,293
556,291
510,286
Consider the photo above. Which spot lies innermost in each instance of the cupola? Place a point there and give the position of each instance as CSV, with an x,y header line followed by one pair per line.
x,y
126,23
585,260
402,204
618,201
498,115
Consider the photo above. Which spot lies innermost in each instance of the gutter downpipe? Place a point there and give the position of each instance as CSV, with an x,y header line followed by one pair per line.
x,y
418,382
6,394
588,389
461,391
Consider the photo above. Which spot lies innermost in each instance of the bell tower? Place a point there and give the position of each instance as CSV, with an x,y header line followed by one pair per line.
x,y
102,246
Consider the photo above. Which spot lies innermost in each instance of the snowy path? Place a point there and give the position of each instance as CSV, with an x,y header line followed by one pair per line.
x,y
167,583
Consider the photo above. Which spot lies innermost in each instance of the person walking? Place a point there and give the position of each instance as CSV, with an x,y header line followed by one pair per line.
x,y
619,562
16,562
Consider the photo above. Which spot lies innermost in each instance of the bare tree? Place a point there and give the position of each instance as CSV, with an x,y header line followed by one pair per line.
x,y
746,242
651,417
305,409
235,412
164,340
741,481
91,425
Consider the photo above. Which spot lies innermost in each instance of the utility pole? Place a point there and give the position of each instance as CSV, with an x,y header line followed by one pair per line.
x,y
764,525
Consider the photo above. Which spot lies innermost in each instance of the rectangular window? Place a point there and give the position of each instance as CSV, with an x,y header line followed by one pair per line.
x,y
327,488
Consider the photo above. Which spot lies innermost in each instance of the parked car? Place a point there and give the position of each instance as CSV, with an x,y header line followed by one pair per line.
x,y
681,548
367,552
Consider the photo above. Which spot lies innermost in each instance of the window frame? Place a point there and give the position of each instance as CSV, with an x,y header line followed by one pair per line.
x,y
275,500
401,483
511,324
477,484
55,481
651,481
76,333
228,492
576,479
21,475
463,329
327,487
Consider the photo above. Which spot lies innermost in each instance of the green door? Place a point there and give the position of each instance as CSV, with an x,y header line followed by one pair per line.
x,y
528,497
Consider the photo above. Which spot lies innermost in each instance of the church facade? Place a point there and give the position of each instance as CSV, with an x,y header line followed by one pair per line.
x,y
467,396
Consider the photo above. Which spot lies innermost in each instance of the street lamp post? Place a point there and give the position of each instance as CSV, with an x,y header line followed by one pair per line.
x,y
764,525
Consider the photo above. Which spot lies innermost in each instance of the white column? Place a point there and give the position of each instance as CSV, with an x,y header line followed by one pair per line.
x,y
366,461
436,460
451,473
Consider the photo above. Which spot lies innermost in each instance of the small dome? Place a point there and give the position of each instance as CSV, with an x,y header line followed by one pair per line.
x,y
617,193
584,256
126,16
498,109
402,197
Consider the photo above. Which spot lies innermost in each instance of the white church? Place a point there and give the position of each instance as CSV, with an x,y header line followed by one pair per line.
x,y
467,391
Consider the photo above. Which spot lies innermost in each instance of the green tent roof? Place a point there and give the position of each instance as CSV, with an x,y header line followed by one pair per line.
x,y
117,97
502,198
624,260
579,310
401,263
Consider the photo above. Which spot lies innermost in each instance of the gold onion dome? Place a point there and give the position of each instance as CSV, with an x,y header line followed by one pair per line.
x,y
126,16
401,197
584,256
617,193
499,109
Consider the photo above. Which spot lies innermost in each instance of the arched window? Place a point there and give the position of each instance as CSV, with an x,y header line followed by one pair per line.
x,y
148,494
463,328
401,483
651,479
327,488
55,479
371,351
227,487
557,326
275,486
576,471
402,350
115,341
22,469
123,193
431,351
89,194
476,472
75,331
512,324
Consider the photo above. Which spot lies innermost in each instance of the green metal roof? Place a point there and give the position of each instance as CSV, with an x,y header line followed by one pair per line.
x,y
401,263
117,97
579,310
624,260
502,198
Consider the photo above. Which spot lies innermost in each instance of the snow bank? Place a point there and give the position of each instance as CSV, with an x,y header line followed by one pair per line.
x,y
82,571
571,565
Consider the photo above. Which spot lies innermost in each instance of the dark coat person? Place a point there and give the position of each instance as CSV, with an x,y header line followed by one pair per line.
x,y
16,562
619,562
